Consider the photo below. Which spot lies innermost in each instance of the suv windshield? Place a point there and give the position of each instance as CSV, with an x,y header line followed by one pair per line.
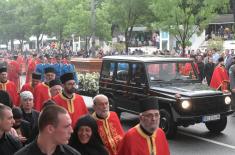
x,y
172,71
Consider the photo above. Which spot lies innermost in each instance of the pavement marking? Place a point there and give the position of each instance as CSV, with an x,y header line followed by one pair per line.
x,y
208,140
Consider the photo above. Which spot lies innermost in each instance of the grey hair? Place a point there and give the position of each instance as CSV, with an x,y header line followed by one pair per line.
x,y
98,96
26,95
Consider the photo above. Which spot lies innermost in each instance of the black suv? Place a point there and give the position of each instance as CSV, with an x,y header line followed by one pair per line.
x,y
183,99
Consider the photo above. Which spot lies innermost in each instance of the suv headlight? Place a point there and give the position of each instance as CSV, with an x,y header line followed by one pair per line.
x,y
185,104
227,100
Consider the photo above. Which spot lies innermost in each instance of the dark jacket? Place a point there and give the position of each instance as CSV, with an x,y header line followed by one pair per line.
x,y
201,70
33,120
208,70
9,145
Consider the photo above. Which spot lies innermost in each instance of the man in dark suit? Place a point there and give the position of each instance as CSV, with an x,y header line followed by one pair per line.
x,y
208,70
8,143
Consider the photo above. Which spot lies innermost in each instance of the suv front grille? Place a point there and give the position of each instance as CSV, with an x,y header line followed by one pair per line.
x,y
208,105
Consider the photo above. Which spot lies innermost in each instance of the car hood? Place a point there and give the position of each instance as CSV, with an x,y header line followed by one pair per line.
x,y
187,90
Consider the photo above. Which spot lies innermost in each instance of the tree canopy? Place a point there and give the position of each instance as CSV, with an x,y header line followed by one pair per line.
x,y
183,18
64,18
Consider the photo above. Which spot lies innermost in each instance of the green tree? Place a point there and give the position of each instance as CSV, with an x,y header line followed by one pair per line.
x,y
14,22
129,13
22,23
36,20
183,18
7,25
80,23
56,13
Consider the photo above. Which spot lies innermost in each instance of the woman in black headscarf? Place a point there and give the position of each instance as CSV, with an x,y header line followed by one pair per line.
x,y
86,139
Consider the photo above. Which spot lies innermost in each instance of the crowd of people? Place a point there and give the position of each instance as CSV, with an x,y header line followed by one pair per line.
x,y
46,116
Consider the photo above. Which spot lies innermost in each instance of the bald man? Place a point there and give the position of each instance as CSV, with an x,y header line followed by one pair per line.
x,y
109,126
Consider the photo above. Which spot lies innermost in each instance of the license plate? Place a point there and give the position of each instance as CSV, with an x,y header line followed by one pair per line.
x,y
210,118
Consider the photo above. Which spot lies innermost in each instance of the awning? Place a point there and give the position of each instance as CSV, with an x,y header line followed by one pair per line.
x,y
223,19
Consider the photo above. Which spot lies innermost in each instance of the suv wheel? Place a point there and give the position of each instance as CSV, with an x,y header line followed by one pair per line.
x,y
217,126
167,124
113,107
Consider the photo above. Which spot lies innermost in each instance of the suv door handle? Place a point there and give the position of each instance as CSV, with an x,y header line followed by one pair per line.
x,y
120,91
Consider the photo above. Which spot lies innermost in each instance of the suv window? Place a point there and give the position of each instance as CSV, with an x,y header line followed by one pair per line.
x,y
122,71
108,69
171,71
138,76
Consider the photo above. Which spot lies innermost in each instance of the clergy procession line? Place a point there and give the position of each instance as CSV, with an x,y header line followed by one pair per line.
x,y
46,116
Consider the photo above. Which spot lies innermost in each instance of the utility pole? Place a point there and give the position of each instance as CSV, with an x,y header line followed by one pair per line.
x,y
233,11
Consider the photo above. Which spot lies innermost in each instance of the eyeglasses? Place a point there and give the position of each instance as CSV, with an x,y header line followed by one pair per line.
x,y
151,115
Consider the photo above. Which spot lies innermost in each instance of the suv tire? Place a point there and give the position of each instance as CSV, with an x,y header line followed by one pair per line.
x,y
217,126
167,124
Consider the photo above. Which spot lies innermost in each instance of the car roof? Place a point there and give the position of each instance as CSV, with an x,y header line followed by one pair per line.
x,y
147,58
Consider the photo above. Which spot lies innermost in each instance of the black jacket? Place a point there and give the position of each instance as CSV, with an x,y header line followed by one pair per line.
x,y
9,145
33,120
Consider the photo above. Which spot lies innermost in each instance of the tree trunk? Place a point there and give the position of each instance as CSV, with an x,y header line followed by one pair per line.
x,y
127,38
7,44
38,42
12,44
183,48
86,48
21,45
60,40
126,41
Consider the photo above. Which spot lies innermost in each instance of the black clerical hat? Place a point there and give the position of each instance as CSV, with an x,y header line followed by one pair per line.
x,y
36,76
66,77
3,69
49,70
149,103
54,82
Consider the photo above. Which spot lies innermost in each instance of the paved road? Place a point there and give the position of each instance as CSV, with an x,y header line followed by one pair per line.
x,y
196,140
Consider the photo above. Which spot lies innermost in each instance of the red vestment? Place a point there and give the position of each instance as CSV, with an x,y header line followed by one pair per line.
x,y
110,131
42,94
10,87
14,71
28,87
136,142
21,62
220,79
31,68
188,68
75,106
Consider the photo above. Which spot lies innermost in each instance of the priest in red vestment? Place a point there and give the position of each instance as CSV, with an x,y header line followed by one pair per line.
x,y
42,90
8,86
109,126
14,72
31,68
21,61
220,78
74,103
146,138
30,86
